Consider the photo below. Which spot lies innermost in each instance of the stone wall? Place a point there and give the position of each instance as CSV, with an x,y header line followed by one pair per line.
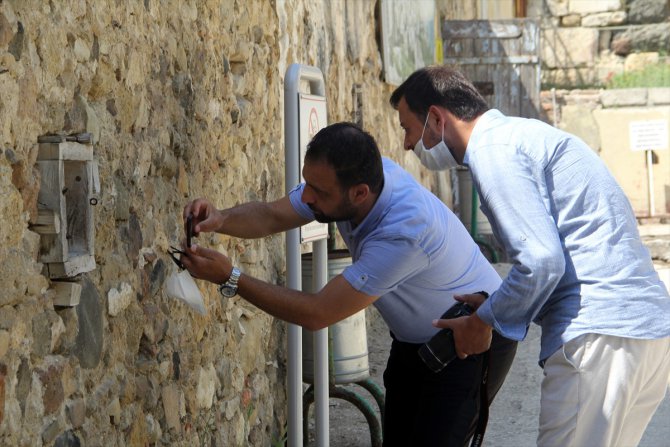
x,y
586,42
182,99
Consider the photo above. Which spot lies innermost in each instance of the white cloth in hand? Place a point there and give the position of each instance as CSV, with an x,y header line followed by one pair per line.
x,y
181,285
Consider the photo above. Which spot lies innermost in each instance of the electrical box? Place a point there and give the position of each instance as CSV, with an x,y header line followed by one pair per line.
x,y
69,189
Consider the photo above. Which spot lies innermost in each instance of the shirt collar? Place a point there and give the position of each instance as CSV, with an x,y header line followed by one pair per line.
x,y
484,123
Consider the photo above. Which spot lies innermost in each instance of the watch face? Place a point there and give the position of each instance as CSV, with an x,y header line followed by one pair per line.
x,y
229,288
228,291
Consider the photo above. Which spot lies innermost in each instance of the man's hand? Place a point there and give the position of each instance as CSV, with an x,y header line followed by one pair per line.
x,y
471,334
206,218
207,264
474,300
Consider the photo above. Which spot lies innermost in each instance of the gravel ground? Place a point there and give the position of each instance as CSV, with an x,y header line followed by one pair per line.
x,y
513,416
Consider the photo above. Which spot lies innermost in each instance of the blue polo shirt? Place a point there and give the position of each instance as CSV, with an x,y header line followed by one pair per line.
x,y
413,253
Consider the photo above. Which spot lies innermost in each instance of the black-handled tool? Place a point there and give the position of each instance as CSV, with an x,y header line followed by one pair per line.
x,y
189,230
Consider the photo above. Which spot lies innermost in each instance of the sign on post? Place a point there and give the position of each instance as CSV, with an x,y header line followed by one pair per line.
x,y
313,118
646,136
649,135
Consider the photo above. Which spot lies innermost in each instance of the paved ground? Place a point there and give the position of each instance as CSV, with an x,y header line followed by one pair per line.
x,y
514,414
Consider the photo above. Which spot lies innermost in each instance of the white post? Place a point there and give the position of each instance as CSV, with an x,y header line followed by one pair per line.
x,y
293,266
650,177
294,75
321,397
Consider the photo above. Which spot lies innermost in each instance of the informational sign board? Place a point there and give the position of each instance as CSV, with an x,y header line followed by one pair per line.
x,y
313,117
649,135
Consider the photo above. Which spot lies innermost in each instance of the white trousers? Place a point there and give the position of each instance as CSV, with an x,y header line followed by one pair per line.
x,y
601,391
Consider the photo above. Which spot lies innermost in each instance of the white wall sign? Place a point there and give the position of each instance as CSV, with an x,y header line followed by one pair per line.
x,y
313,117
649,135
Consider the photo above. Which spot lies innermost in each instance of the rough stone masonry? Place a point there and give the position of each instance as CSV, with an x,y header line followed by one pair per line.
x,y
182,99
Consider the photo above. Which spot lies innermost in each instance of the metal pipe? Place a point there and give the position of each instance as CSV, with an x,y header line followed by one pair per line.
x,y
293,265
553,105
650,181
321,352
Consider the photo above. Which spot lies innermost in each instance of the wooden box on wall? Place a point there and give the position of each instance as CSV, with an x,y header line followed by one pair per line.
x,y
68,189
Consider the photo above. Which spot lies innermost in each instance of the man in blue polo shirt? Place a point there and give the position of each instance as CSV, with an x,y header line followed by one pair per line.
x,y
411,256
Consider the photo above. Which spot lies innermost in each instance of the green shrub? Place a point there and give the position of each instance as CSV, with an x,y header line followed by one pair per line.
x,y
657,75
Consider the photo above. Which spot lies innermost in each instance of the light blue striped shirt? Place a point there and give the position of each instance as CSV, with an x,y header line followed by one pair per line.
x,y
413,252
579,264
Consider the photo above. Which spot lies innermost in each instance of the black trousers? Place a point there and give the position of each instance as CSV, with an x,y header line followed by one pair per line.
x,y
428,409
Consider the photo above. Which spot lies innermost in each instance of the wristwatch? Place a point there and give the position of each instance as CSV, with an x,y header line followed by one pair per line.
x,y
229,288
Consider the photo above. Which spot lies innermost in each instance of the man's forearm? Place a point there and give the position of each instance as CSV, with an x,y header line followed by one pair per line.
x,y
258,219
292,306
247,221
334,302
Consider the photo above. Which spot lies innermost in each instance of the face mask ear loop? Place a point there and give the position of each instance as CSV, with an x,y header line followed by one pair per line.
x,y
443,133
424,129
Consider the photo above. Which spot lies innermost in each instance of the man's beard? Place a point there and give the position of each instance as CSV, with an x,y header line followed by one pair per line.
x,y
344,212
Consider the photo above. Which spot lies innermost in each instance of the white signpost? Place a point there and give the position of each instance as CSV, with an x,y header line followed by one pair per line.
x,y
649,135
304,116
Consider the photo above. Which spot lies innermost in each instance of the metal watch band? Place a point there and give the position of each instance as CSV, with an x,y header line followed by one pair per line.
x,y
229,288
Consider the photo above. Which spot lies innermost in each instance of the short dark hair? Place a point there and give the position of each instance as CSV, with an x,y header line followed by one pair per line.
x,y
352,152
442,86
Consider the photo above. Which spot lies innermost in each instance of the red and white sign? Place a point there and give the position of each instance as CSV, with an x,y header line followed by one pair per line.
x,y
313,117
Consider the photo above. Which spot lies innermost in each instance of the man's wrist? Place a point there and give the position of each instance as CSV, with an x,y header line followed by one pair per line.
x,y
478,323
228,274
221,220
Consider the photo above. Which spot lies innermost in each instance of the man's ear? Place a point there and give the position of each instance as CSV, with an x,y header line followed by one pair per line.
x,y
359,193
437,113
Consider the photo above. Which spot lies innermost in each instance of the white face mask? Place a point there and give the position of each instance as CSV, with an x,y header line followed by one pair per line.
x,y
438,157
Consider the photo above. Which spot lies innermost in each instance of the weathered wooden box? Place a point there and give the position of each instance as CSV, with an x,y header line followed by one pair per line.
x,y
68,191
